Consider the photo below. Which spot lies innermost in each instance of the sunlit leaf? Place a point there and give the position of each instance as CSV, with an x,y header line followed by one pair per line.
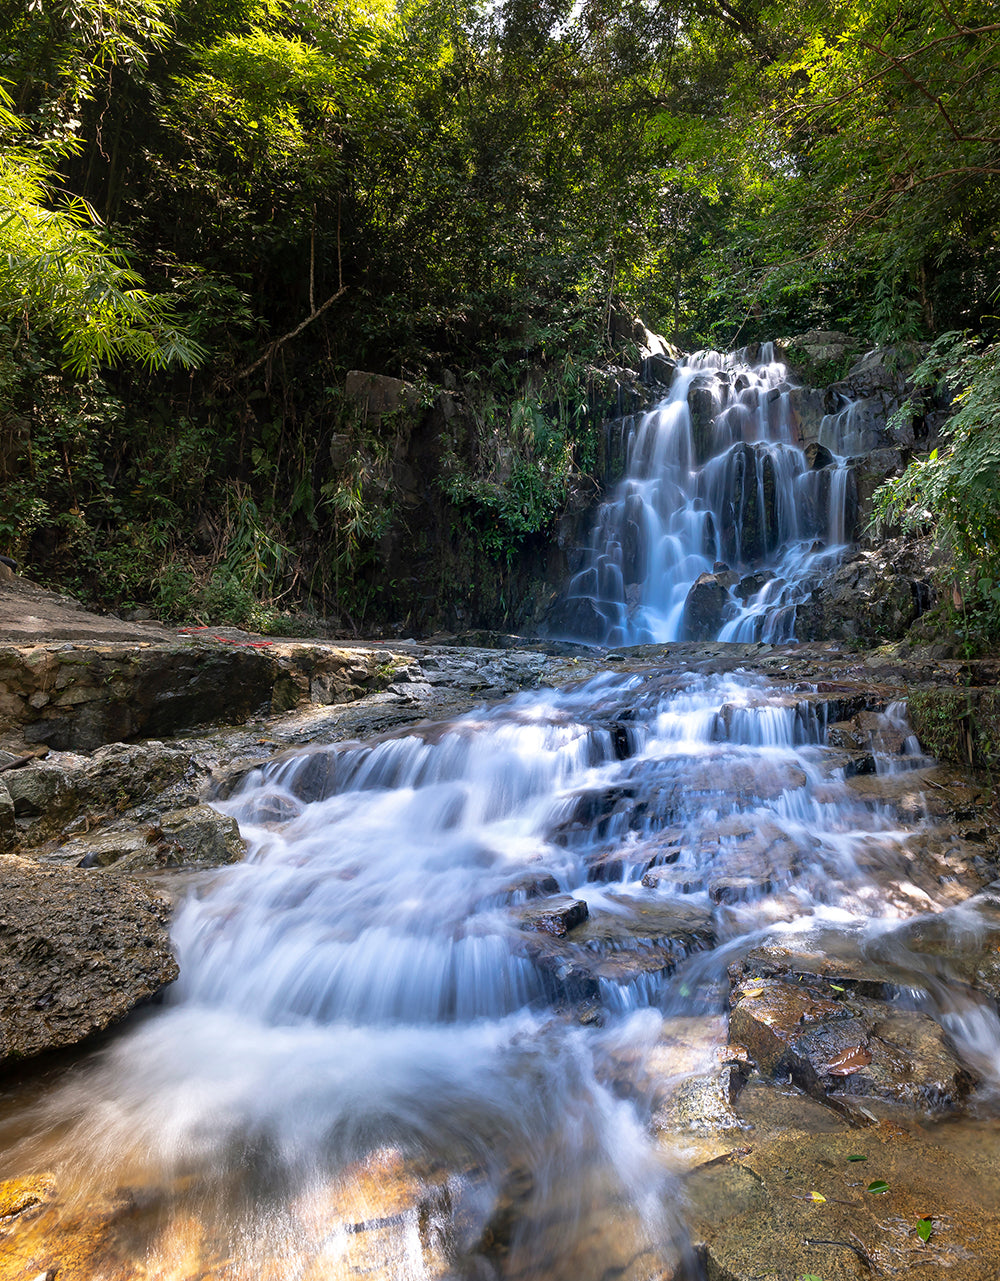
x,y
851,1060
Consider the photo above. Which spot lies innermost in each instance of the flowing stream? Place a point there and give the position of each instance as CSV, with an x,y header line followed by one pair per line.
x,y
436,1024
383,1057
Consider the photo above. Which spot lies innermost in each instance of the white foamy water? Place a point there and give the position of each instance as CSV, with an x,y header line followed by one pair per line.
x,y
364,983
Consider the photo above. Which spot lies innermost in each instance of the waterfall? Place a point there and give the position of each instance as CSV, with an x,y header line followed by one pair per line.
x,y
723,519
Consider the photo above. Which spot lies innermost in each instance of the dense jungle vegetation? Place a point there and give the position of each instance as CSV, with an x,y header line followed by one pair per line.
x,y
212,210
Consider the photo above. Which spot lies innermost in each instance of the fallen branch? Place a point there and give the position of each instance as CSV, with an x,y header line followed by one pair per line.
x,y
24,760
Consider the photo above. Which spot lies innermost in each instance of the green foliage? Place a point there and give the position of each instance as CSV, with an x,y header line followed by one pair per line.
x,y
57,273
955,489
457,193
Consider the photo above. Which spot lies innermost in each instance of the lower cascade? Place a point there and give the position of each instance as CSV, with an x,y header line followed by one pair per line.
x,y
462,1011
722,521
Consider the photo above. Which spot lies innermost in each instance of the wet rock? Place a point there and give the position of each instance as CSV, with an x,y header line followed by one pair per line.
x,y
800,1032
703,402
579,617
857,428
593,811
556,916
521,889
755,1216
805,407
197,835
751,584
376,1210
621,949
885,370
672,878
739,889
703,1101
818,456
707,607
658,370
873,595
960,945
832,959
78,951
695,1120
24,1196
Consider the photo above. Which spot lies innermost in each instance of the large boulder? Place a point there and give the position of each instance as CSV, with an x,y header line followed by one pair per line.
x,y
806,409
78,951
377,394
704,402
707,607
195,836
885,370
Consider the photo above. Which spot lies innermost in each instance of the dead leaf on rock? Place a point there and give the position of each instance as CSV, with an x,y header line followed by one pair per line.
x,y
853,1059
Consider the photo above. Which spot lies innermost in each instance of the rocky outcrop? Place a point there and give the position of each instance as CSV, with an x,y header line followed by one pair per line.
x,y
76,698
78,951
872,595
197,836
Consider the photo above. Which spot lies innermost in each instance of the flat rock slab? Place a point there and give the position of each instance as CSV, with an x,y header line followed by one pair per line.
x,y
755,1217
78,951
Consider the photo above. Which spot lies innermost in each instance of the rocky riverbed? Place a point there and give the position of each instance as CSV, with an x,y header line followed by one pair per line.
x,y
815,1102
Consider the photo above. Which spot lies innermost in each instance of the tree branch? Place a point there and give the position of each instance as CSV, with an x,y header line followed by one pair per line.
x,y
273,348
922,89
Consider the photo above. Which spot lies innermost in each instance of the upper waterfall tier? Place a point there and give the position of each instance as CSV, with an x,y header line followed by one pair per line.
x,y
725,516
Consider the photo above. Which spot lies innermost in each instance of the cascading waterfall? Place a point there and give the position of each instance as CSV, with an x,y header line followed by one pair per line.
x,y
378,988
722,522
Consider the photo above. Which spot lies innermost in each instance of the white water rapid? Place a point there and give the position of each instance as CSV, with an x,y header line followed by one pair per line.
x,y
723,520
382,1055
